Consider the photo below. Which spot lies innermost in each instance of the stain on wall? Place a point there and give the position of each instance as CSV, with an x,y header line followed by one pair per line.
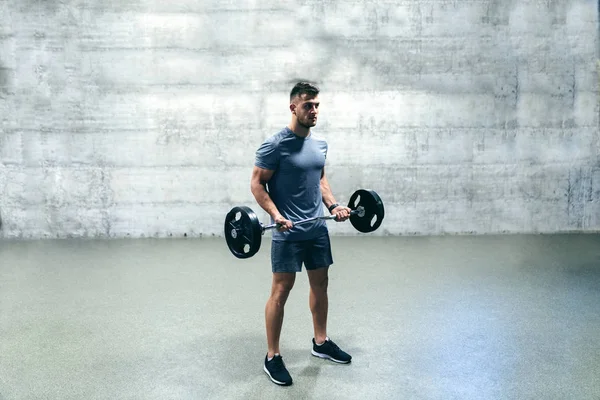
x,y
5,80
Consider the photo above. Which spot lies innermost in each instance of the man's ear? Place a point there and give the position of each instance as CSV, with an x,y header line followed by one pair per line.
x,y
293,108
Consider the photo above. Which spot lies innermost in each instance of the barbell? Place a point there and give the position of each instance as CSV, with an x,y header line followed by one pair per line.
x,y
243,230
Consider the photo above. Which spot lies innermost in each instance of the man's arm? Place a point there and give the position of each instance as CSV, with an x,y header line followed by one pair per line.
x,y
258,183
342,212
260,177
328,198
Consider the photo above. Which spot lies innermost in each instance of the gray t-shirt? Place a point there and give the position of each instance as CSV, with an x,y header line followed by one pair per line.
x,y
295,187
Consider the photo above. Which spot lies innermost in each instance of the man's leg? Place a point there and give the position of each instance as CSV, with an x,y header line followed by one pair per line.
x,y
319,259
286,260
280,289
318,301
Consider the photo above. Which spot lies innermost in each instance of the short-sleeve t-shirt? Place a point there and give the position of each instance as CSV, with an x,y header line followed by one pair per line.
x,y
295,187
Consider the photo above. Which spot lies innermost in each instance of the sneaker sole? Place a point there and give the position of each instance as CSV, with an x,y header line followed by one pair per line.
x,y
328,357
275,380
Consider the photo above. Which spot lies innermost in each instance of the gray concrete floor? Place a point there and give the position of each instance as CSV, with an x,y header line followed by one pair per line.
x,y
494,317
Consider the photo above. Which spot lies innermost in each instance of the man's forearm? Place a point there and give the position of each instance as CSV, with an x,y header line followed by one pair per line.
x,y
327,195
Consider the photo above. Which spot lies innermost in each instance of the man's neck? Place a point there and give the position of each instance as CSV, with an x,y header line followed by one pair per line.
x,y
299,130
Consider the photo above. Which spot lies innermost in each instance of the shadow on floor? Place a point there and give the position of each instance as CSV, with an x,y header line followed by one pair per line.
x,y
240,362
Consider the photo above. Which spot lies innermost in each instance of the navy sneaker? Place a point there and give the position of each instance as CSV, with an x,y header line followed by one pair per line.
x,y
331,351
277,371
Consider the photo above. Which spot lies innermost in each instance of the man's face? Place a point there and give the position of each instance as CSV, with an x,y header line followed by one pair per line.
x,y
306,109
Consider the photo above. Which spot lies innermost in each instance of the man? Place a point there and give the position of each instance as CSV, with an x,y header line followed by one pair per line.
x,y
289,183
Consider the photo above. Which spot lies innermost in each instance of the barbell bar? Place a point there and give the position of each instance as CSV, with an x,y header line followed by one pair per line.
x,y
360,211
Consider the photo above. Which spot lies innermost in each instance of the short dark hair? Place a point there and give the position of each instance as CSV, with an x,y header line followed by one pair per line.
x,y
301,88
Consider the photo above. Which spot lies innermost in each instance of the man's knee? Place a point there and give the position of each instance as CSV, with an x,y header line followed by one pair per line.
x,y
319,283
281,290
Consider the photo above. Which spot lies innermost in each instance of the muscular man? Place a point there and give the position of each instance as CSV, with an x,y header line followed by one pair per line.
x,y
289,183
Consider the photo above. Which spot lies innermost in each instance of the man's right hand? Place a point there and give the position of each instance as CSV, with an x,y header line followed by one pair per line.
x,y
284,224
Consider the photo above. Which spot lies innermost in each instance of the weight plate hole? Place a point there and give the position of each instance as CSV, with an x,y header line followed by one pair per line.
x,y
357,201
374,220
238,216
246,248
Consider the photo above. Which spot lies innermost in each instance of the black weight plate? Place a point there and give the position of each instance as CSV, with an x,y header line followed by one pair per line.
x,y
374,211
243,232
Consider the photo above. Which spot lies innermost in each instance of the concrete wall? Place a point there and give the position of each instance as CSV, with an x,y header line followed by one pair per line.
x,y
141,117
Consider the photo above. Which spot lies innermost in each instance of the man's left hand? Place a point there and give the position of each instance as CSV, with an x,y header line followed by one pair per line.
x,y
341,212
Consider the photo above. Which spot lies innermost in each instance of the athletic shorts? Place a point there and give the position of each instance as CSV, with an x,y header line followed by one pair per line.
x,y
288,256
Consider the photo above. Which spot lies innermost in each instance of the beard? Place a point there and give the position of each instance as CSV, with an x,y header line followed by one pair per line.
x,y
307,122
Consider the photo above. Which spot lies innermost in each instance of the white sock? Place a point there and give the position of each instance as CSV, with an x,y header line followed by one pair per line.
x,y
326,339
269,359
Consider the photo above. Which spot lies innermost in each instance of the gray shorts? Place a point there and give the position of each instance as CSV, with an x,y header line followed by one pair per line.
x,y
288,256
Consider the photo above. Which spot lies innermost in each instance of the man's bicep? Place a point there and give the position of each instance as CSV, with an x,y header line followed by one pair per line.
x,y
261,175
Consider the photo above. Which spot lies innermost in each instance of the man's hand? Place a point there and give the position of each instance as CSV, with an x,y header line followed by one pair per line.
x,y
341,212
284,224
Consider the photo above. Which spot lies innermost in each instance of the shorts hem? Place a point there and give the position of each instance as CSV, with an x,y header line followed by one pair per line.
x,y
292,255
